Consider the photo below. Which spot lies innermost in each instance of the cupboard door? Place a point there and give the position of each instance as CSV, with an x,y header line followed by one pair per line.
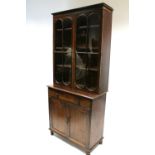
x,y
79,125
59,116
63,51
88,38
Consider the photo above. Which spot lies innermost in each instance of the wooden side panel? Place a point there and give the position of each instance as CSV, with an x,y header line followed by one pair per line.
x,y
59,116
97,120
79,128
105,49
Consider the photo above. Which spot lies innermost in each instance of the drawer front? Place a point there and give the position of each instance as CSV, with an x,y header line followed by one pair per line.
x,y
68,98
81,102
85,103
65,97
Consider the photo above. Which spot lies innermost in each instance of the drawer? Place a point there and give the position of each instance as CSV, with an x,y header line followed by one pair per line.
x,y
68,98
86,103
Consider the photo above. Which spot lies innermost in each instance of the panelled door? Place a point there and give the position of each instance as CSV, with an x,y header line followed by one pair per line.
x,y
70,121
58,116
63,50
79,125
88,35
77,50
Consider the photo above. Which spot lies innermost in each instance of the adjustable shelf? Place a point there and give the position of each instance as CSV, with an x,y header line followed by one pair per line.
x,y
87,69
66,66
58,48
82,27
94,26
69,28
87,53
62,52
59,29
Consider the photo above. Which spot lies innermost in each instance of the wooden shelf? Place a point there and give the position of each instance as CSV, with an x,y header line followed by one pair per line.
x,y
66,47
59,29
61,52
94,26
82,27
59,48
69,28
62,48
93,69
90,26
87,52
59,65
66,66
89,69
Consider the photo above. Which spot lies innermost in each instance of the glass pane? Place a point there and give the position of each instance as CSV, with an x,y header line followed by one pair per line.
x,y
94,32
94,40
92,60
58,39
80,78
58,24
81,39
67,75
81,60
58,34
67,38
58,67
58,74
67,33
81,65
58,59
67,23
81,32
94,19
82,21
67,59
91,83
67,56
63,51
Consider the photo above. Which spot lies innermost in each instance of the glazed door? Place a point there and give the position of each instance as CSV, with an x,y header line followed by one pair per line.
x,y
79,125
63,51
88,35
59,113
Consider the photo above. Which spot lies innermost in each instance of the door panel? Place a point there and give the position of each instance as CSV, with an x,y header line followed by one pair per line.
x,y
88,35
59,114
63,50
79,125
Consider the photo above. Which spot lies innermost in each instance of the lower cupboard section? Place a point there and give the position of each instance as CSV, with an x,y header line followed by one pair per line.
x,y
78,120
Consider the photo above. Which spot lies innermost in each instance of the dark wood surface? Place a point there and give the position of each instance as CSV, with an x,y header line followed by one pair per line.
x,y
75,118
79,125
77,92
76,115
104,42
84,8
105,53
97,119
